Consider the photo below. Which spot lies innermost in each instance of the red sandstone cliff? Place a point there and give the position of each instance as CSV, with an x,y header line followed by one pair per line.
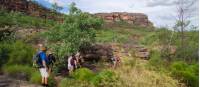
x,y
28,7
131,18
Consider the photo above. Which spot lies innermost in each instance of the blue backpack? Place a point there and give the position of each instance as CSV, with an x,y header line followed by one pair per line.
x,y
37,60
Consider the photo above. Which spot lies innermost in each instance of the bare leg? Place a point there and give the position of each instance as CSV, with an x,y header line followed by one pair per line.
x,y
43,80
46,81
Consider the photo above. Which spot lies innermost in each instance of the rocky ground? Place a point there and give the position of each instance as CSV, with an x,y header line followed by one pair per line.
x,y
6,81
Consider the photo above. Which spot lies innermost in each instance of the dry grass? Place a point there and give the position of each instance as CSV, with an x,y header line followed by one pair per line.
x,y
133,73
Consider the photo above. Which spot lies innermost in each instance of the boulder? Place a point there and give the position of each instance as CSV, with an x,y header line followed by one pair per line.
x,y
96,52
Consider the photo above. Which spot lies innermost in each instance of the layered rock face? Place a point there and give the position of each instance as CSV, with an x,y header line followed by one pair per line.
x,y
28,7
131,18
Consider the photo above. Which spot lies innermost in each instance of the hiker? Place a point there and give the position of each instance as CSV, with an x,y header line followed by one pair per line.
x,y
42,65
115,60
72,63
78,59
51,61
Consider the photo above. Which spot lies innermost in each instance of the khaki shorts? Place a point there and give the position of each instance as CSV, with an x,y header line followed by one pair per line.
x,y
70,68
43,72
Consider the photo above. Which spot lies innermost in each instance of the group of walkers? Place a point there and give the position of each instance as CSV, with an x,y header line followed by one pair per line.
x,y
74,62
44,60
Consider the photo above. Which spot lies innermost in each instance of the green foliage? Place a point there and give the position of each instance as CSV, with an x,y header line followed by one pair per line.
x,y
15,52
105,78
16,70
85,77
67,82
83,74
21,20
186,73
77,30
189,52
35,77
150,39
155,60
4,53
20,53
108,35
51,81
165,38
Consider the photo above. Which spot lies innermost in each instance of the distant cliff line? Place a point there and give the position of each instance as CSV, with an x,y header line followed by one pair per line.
x,y
131,18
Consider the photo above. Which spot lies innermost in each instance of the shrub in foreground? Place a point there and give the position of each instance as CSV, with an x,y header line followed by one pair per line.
x,y
83,74
188,74
105,78
35,77
67,82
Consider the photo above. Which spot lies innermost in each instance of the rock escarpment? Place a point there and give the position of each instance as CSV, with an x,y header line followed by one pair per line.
x,y
29,7
131,18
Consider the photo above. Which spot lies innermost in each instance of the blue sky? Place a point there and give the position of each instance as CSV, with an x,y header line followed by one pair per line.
x,y
160,12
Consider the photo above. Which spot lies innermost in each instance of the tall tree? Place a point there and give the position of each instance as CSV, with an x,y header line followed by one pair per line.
x,y
184,13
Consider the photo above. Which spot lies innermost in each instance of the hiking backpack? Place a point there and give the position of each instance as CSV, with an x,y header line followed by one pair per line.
x,y
36,61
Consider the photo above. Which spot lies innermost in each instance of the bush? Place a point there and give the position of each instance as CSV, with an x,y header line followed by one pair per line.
x,y
18,71
83,74
104,78
4,53
51,81
186,73
155,60
35,77
66,82
20,53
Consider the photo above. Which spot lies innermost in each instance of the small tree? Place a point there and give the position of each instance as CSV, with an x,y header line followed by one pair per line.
x,y
184,13
77,30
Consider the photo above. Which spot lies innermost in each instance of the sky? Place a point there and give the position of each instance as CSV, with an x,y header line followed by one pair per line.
x,y
162,13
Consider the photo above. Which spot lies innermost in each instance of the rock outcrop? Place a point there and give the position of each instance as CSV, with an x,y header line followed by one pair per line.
x,y
29,7
131,18
97,52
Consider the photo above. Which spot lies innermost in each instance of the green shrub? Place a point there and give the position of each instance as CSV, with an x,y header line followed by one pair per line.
x,y
83,74
186,73
67,82
51,81
18,70
155,60
35,77
4,53
20,53
104,78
